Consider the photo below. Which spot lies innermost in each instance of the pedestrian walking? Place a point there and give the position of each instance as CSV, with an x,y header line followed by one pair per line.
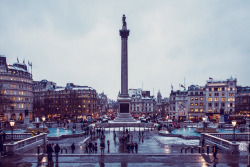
x,y
90,147
215,151
57,150
108,143
132,147
1,147
95,147
86,148
136,147
128,147
102,146
73,147
49,152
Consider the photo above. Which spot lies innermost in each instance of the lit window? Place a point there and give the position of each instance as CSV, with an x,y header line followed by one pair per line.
x,y
191,98
201,98
196,104
216,99
196,110
196,98
223,99
201,110
201,104
210,99
191,104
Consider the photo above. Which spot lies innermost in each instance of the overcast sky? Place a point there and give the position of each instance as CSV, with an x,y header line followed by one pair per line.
x,y
78,41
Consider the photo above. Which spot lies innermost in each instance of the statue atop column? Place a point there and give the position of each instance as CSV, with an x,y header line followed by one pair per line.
x,y
124,24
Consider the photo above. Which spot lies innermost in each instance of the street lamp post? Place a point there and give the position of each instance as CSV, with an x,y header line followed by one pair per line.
x,y
12,123
44,145
234,122
43,119
204,119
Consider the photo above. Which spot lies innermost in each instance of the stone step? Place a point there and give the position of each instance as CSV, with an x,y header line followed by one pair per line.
x,y
124,117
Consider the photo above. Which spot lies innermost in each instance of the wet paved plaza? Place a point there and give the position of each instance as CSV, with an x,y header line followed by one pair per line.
x,y
153,150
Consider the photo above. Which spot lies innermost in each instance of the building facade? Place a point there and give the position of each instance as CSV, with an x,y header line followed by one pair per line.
x,y
242,102
196,103
178,103
220,94
141,102
16,86
69,102
162,106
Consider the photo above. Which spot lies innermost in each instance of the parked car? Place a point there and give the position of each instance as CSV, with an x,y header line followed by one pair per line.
x,y
188,121
105,121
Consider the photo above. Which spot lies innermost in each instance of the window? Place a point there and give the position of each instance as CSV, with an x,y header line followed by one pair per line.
x,y
210,89
191,110
210,94
201,93
223,94
216,99
191,104
191,98
196,93
231,94
216,104
209,104
201,98
201,104
196,110
196,98
223,89
222,104
216,94
196,104
210,99
231,104
201,110
223,99
216,89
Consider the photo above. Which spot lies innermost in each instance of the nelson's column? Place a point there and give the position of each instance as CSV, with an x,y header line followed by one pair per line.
x,y
123,98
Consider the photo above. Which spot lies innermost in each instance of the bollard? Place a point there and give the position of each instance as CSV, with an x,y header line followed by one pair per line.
x,y
207,149
38,149
64,149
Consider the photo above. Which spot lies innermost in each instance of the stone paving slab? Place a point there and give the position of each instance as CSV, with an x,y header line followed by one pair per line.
x,y
154,150
126,160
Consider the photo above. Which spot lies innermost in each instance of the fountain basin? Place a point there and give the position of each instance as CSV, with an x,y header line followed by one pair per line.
x,y
206,130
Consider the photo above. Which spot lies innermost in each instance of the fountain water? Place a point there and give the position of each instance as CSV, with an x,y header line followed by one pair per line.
x,y
37,126
206,126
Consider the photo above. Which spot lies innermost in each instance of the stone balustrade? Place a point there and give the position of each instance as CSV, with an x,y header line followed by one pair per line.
x,y
229,136
25,145
17,136
225,145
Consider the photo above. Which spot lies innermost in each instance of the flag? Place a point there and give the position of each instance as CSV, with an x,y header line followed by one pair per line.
x,y
182,86
172,87
17,59
210,78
